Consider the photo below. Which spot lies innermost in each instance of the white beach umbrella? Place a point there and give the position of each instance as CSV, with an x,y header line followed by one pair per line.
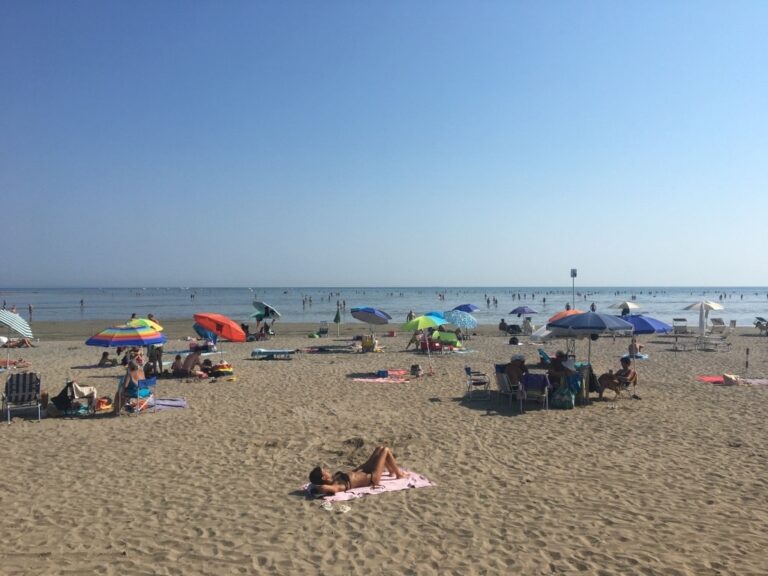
x,y
704,306
626,305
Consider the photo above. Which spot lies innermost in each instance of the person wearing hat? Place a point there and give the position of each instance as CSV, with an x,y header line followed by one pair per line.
x,y
560,368
516,368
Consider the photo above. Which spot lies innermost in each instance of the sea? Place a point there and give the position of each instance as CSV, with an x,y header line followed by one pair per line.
x,y
316,304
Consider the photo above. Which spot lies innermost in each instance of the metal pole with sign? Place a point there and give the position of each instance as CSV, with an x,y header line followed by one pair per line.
x,y
573,288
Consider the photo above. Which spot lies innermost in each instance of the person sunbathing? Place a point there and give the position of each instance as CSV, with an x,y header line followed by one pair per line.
x,y
367,474
19,343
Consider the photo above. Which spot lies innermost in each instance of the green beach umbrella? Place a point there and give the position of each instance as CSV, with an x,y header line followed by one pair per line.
x,y
337,320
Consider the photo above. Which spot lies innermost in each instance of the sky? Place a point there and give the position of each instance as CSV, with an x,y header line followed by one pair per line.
x,y
445,143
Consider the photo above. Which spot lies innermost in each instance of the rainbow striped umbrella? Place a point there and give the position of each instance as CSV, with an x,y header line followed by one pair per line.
x,y
138,322
126,335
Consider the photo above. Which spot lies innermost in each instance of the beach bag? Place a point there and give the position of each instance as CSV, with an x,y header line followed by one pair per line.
x,y
563,399
416,370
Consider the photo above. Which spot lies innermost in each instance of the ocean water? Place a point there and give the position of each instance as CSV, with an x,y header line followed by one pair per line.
x,y
63,304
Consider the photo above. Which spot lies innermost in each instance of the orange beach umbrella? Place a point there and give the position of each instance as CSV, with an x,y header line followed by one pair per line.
x,y
564,314
221,325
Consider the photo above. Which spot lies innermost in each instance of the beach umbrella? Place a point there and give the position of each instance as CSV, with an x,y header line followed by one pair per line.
x,y
221,325
564,314
626,305
647,325
589,324
145,322
469,308
337,320
520,310
704,306
126,336
461,319
436,314
424,322
204,333
16,323
264,311
371,316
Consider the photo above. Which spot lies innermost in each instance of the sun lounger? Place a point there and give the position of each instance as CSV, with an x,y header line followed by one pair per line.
x,y
264,354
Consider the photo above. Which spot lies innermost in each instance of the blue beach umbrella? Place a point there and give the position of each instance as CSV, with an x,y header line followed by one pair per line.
x,y
647,325
436,314
461,319
520,310
371,316
469,308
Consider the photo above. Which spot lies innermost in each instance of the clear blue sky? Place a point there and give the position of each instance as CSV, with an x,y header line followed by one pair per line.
x,y
154,143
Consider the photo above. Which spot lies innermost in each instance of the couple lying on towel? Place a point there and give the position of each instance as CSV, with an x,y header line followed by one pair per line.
x,y
368,474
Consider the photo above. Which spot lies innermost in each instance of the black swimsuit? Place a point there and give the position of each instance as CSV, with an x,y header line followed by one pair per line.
x,y
343,478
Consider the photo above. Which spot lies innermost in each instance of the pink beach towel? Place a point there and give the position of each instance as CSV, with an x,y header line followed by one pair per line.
x,y
710,379
389,380
388,484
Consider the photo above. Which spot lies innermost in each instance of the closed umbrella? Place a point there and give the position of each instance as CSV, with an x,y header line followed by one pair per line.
x,y
337,320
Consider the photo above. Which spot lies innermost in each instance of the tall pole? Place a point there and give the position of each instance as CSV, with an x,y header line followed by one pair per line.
x,y
573,288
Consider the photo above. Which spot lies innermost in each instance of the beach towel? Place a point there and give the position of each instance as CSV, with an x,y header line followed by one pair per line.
x,y
390,379
731,380
388,484
165,403
718,379
636,356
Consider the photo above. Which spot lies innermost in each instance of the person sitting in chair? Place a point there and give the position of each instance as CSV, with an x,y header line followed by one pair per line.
x,y
516,368
105,360
368,474
620,380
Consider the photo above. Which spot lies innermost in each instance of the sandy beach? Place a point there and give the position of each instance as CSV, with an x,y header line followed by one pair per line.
x,y
672,483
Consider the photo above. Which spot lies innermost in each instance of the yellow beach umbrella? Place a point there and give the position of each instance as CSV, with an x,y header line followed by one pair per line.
x,y
144,323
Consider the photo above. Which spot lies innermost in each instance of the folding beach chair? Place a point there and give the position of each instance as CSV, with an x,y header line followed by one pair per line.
x,y
506,388
323,329
476,381
536,387
22,390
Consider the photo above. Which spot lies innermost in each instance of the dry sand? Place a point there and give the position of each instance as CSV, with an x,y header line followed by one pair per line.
x,y
674,483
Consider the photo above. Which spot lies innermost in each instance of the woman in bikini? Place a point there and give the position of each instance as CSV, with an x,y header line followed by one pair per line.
x,y
368,474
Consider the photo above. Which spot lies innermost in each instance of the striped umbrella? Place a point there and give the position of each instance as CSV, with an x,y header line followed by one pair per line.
x,y
138,322
125,335
15,323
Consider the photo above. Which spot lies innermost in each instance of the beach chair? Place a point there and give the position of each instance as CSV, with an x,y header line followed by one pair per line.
x,y
761,324
476,382
679,326
718,325
536,387
323,330
142,395
22,390
505,388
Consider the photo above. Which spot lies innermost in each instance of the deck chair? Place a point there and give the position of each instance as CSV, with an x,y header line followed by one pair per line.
x,y
323,330
718,325
476,382
505,388
22,390
679,326
536,387
761,324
